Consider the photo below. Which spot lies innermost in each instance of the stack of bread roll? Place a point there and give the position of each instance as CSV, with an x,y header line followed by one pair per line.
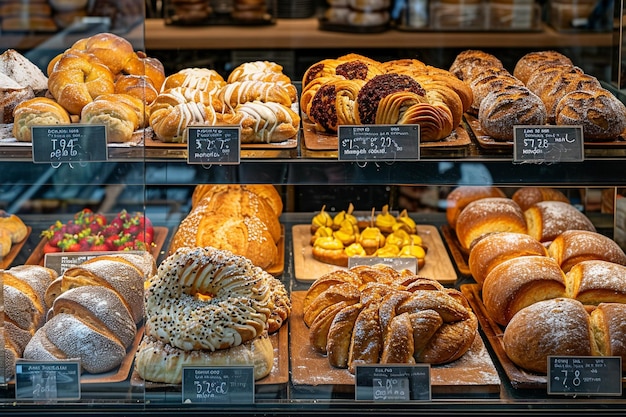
x,y
243,219
548,284
93,312
354,89
257,96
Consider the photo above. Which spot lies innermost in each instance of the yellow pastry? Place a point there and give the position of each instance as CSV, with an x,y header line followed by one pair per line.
x,y
385,220
323,231
346,233
371,238
321,219
404,219
345,215
355,249
330,250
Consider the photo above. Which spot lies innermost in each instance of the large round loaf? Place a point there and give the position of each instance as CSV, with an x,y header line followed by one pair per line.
x,y
556,327
574,246
461,196
488,215
548,219
537,60
520,282
495,248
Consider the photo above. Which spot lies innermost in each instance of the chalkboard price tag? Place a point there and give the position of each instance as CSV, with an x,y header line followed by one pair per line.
x,y
213,145
69,143
393,383
218,385
591,375
548,144
379,143
46,381
398,264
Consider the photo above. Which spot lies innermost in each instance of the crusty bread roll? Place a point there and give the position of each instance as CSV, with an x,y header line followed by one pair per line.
x,y
527,196
548,219
538,60
574,246
461,196
13,225
492,249
519,282
556,327
38,111
608,321
469,63
488,215
596,281
117,116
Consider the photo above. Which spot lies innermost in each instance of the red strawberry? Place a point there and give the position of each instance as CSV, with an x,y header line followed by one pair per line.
x,y
50,248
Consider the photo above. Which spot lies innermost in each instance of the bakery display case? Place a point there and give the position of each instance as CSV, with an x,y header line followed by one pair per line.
x,y
286,327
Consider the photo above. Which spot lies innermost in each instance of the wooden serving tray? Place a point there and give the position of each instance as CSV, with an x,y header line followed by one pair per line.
x,y
37,257
519,378
317,141
278,377
438,265
474,372
458,254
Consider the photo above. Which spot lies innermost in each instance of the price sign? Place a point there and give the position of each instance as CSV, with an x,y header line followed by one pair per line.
x,y
393,382
59,380
398,264
69,143
592,375
548,144
379,143
213,145
218,385
61,261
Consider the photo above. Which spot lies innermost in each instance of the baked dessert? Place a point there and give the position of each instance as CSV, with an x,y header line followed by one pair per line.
x,y
574,246
14,227
138,86
202,79
38,111
601,114
366,315
461,196
488,215
265,122
230,297
527,196
233,94
333,103
548,219
495,248
516,283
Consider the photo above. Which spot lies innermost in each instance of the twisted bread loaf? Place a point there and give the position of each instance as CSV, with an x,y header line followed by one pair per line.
x,y
138,86
39,111
367,315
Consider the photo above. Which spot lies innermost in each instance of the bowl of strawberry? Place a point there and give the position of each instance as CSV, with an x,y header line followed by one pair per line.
x,y
88,231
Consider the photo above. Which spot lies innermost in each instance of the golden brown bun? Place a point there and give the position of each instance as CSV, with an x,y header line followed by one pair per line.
x,y
266,191
39,111
527,196
548,219
461,196
536,61
608,322
112,50
601,114
77,78
137,86
574,246
118,117
596,281
488,215
492,249
14,225
556,327
265,122
520,282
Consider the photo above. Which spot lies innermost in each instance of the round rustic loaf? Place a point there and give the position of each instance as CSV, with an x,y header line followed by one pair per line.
x,y
538,60
527,196
461,196
548,219
574,246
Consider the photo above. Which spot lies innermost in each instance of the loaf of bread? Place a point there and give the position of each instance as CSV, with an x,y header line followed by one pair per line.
x,y
488,215
471,63
519,282
461,196
574,246
527,196
23,71
535,61
548,219
596,281
11,94
493,249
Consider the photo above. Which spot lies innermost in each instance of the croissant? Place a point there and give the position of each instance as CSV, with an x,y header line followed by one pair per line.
x,y
115,112
37,111
240,92
265,122
334,104
77,78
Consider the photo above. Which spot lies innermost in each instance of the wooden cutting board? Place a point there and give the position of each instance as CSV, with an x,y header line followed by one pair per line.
x,y
438,264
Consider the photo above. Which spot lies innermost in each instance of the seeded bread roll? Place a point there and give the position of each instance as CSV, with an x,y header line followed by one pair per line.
x,y
574,246
548,219
488,215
